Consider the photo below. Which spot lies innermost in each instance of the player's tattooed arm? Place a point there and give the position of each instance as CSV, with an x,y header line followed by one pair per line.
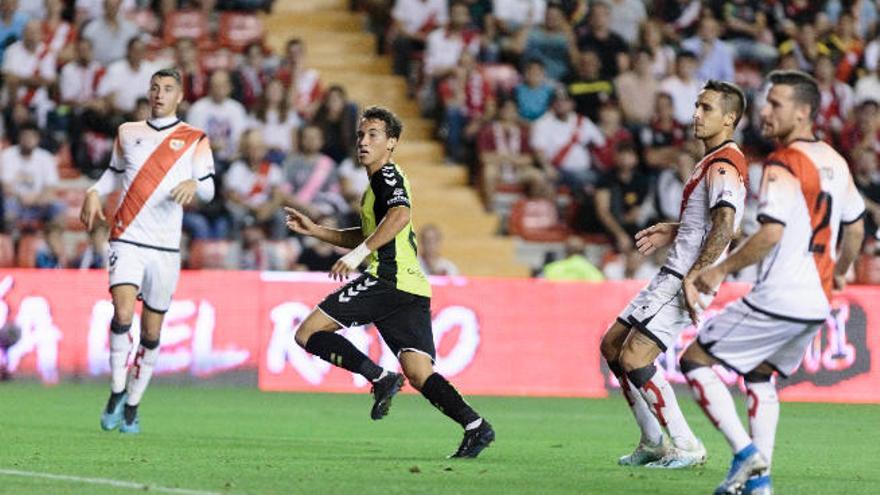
x,y
717,240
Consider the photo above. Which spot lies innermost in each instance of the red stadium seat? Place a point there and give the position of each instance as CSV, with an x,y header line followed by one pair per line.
x,y
66,168
536,220
219,59
7,251
868,269
209,254
26,255
237,30
186,24
73,198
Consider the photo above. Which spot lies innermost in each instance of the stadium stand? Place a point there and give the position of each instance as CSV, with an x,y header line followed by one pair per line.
x,y
284,59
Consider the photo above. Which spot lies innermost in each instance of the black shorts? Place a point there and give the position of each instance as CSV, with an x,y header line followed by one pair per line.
x,y
403,319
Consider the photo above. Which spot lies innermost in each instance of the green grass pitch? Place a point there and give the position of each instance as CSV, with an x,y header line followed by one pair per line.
x,y
238,440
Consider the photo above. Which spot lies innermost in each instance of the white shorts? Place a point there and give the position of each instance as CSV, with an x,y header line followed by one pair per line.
x,y
742,337
659,310
153,271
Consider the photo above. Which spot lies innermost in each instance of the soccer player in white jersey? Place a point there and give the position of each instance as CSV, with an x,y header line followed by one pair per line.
x,y
806,194
159,165
711,211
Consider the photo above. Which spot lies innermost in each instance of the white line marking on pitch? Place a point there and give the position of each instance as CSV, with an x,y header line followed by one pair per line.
x,y
105,481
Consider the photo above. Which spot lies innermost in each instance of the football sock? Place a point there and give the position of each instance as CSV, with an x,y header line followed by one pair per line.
x,y
763,415
444,397
652,433
120,344
339,351
114,399
660,397
712,396
130,413
142,370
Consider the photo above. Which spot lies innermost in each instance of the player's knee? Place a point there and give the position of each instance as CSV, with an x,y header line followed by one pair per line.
x,y
302,336
123,316
610,347
695,355
630,360
758,375
417,377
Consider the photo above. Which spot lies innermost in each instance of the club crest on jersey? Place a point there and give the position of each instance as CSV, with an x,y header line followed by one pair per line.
x,y
176,144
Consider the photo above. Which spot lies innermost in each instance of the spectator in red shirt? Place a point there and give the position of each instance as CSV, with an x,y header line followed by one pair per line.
x,y
464,95
863,131
610,119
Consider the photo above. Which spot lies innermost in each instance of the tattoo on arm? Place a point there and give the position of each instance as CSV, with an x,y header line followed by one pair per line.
x,y
718,238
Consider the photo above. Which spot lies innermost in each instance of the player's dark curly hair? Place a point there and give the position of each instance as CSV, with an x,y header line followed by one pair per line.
x,y
393,125
806,89
732,97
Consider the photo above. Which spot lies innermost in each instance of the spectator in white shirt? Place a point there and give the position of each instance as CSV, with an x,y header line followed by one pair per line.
x,y
221,117
446,44
110,33
412,21
683,87
432,261
128,79
78,84
560,138
275,119
254,188
626,17
29,177
28,69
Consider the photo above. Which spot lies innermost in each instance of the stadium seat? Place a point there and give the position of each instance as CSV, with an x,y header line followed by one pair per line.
x,y
66,168
210,254
186,24
217,59
7,251
537,221
73,198
26,254
867,268
237,30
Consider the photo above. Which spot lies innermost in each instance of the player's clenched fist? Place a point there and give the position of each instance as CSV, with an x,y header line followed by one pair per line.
x,y
91,208
299,223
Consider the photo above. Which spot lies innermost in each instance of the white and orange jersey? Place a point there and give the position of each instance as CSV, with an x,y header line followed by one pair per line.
x,y
806,186
717,180
148,161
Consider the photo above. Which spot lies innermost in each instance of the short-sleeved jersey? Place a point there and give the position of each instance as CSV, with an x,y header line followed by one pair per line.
x,y
806,186
152,161
396,262
717,180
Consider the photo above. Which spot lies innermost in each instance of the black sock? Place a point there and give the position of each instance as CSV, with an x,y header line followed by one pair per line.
x,y
338,351
617,369
444,397
115,397
119,328
130,412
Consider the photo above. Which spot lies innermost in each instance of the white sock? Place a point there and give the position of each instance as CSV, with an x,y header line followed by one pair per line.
x,y
763,415
713,397
120,345
661,399
652,433
140,373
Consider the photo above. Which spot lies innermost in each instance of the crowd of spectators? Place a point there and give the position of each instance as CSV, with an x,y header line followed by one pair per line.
x,y
574,116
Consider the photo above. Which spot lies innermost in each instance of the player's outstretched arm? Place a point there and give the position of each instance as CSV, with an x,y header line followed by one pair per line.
x,y
853,235
395,220
302,224
716,242
656,236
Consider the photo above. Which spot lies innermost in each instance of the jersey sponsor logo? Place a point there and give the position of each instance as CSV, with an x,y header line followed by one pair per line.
x,y
346,295
399,192
176,144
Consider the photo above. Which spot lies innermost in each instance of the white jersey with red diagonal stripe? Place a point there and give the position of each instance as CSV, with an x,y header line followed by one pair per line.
x,y
152,161
717,180
806,186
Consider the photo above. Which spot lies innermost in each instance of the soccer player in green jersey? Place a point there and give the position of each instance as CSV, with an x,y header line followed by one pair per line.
x,y
393,292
